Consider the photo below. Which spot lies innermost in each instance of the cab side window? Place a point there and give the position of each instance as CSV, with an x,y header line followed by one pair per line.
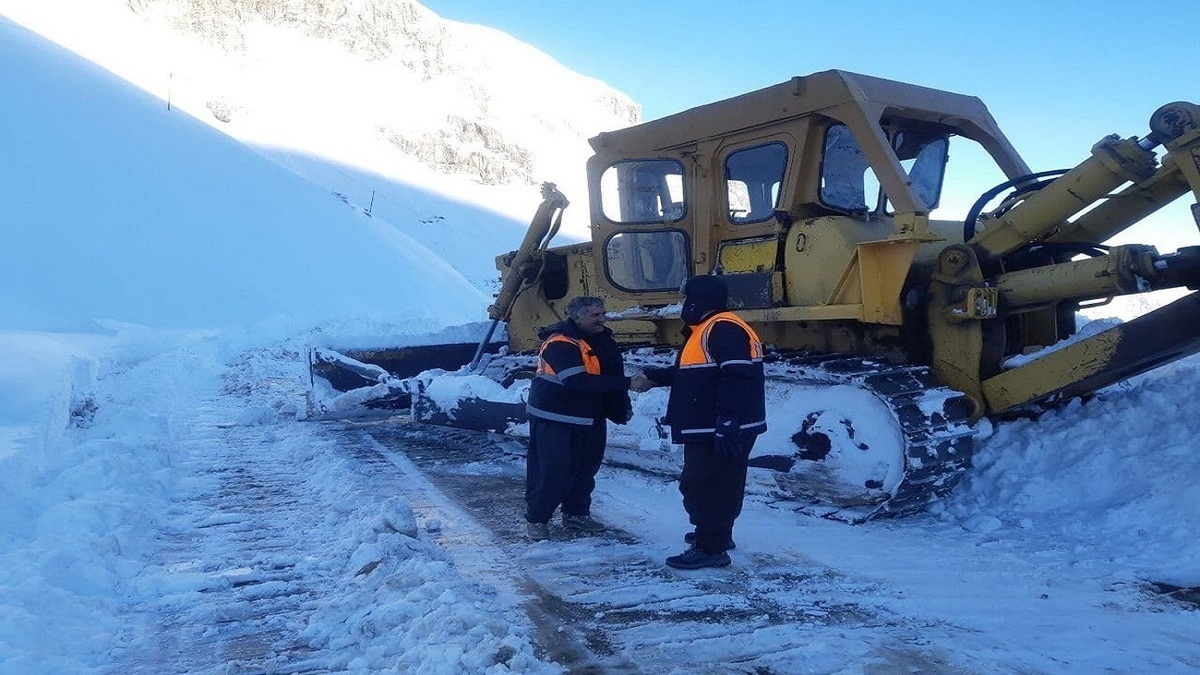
x,y
849,184
752,180
847,180
923,156
643,191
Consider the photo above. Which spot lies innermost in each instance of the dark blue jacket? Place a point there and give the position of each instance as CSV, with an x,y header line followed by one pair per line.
x,y
567,393
718,376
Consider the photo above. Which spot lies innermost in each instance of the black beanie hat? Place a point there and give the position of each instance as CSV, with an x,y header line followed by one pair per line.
x,y
702,295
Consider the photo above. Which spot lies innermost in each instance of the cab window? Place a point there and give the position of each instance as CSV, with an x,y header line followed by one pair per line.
x,y
643,191
752,180
848,183
647,261
847,180
923,155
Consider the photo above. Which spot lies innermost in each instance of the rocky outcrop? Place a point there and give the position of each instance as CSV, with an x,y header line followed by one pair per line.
x,y
470,147
461,98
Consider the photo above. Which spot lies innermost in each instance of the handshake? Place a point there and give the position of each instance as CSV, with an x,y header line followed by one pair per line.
x,y
641,383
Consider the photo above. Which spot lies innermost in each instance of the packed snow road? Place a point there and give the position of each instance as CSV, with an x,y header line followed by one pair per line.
x,y
282,549
386,546
608,603
925,597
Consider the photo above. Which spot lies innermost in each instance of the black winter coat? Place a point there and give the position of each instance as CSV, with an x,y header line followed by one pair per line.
x,y
733,390
580,396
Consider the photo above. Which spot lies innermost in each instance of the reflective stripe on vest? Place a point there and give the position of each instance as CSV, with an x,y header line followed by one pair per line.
x,y
695,352
591,364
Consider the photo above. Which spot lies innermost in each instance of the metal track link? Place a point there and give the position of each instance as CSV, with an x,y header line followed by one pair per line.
x,y
934,420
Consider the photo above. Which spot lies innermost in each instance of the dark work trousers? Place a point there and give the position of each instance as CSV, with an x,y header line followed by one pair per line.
x,y
561,467
713,488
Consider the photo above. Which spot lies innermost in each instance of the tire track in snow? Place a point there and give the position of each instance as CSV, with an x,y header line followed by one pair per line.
x,y
612,595
231,577
476,548
251,572
247,578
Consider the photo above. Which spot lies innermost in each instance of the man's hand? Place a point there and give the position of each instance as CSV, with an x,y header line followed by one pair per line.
x,y
730,440
641,383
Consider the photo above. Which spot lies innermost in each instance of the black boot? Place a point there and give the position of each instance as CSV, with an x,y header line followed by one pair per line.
x,y
694,558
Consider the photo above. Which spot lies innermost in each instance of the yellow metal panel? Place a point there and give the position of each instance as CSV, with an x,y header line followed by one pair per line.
x,y
849,286
816,252
883,267
635,332
748,255
810,313
874,278
771,314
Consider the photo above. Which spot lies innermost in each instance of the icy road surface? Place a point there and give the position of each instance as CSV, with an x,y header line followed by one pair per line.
x,y
297,547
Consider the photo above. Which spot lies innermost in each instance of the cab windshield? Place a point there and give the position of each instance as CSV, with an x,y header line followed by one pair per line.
x,y
848,183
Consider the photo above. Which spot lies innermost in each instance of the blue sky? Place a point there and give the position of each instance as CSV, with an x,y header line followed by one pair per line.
x,y
1058,76
1044,68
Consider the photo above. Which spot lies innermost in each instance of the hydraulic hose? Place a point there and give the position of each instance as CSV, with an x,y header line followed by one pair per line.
x,y
977,207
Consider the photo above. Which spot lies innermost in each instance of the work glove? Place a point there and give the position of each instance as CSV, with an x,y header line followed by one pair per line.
x,y
730,440
624,416
620,412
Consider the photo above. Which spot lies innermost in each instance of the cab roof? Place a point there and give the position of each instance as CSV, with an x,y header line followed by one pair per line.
x,y
798,97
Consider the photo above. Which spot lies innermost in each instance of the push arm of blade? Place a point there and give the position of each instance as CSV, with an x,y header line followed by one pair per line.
x,y
369,371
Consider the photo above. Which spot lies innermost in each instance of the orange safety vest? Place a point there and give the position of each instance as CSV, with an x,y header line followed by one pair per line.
x,y
695,350
591,364
692,407
548,398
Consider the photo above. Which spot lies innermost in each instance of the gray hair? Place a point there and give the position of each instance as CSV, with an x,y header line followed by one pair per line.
x,y
578,305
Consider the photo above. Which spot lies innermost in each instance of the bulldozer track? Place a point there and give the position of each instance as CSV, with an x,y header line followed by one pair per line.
x,y
933,419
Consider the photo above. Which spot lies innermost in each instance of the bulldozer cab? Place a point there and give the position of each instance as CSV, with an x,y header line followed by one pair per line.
x,y
781,189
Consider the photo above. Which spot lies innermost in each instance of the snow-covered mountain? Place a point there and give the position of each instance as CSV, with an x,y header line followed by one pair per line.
x,y
460,98
439,130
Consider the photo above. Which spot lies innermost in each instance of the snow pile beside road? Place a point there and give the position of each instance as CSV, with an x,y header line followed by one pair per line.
x,y
134,522
1119,473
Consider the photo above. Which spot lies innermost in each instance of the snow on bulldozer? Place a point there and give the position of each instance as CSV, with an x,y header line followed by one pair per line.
x,y
893,325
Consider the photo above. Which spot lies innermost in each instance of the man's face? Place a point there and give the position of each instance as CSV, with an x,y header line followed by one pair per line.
x,y
591,320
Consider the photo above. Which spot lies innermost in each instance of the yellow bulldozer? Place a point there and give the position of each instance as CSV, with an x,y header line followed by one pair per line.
x,y
890,332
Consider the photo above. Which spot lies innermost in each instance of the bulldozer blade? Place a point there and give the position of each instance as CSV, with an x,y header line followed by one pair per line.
x,y
1167,334
400,362
469,413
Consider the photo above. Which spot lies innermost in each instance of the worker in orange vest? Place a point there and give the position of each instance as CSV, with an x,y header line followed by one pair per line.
x,y
579,386
716,410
